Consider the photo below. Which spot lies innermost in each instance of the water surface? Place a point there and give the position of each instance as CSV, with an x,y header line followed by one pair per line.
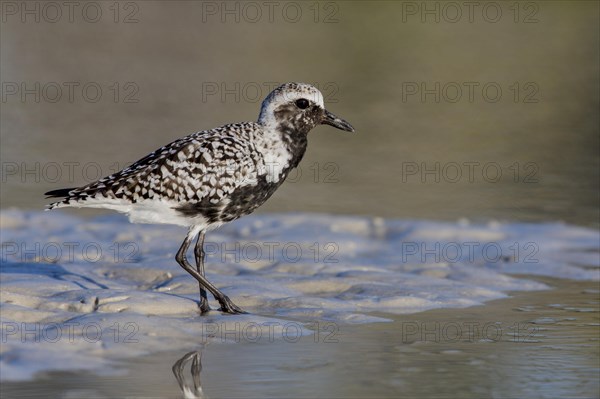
x,y
528,153
529,345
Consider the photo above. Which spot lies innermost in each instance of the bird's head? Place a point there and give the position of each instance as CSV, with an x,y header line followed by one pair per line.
x,y
297,107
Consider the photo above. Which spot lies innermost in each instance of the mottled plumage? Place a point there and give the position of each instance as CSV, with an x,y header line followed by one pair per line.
x,y
214,176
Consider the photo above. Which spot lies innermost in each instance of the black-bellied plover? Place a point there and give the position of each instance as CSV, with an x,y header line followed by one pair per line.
x,y
212,177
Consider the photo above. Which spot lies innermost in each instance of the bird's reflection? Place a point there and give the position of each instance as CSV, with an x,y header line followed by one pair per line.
x,y
190,391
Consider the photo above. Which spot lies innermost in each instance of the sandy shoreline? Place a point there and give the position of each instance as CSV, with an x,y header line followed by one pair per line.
x,y
545,349
74,297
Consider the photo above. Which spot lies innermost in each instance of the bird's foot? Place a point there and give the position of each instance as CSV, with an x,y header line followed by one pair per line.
x,y
228,306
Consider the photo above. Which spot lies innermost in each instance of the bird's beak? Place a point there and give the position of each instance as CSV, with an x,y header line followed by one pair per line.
x,y
332,120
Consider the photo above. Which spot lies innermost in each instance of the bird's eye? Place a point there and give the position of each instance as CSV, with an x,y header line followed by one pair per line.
x,y
302,103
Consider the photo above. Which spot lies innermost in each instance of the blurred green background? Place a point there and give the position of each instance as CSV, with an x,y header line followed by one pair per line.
x,y
489,113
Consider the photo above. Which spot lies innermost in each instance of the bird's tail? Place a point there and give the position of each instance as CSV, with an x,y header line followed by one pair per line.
x,y
60,193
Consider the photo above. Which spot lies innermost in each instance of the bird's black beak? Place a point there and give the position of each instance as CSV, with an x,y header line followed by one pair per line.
x,y
332,120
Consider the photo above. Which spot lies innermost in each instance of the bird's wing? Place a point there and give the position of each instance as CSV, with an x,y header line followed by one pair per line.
x,y
205,165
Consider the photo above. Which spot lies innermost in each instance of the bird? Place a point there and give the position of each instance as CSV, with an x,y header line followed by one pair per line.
x,y
212,177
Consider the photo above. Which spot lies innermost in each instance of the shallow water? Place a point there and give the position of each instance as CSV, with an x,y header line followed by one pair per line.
x,y
524,346
531,155
80,294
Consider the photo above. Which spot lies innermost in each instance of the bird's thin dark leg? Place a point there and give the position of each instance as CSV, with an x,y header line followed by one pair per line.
x,y
226,305
196,358
178,368
196,370
199,255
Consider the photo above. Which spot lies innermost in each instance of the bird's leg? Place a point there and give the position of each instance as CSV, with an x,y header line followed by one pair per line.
x,y
199,255
196,370
196,358
178,368
226,305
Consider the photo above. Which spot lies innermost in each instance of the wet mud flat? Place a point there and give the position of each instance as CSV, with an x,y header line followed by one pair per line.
x,y
533,344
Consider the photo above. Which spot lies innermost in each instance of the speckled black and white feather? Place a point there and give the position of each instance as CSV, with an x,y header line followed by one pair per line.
x,y
214,176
